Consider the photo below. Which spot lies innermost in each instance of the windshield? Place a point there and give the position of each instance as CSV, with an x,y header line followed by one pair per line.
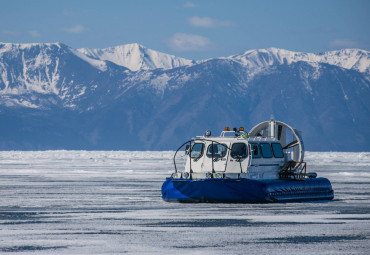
x,y
239,150
197,150
219,151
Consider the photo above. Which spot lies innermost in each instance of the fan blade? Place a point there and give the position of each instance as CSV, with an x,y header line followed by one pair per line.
x,y
292,144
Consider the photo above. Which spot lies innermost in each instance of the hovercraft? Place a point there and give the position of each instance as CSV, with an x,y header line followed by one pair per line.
x,y
266,165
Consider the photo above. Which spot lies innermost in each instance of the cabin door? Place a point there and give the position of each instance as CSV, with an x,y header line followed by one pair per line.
x,y
196,158
215,157
238,158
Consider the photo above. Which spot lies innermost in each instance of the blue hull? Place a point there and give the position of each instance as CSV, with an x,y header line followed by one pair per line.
x,y
246,190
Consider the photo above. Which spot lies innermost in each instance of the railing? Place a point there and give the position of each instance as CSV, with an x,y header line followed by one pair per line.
x,y
174,157
293,170
213,158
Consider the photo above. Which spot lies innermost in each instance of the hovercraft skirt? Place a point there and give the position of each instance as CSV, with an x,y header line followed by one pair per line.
x,y
246,190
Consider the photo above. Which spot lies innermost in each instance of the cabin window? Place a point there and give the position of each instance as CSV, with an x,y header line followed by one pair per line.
x,y
239,150
266,150
219,150
197,150
277,150
255,150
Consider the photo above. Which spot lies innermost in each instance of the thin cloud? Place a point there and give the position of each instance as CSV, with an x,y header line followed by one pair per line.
x,y
34,33
189,42
76,29
345,43
189,5
209,22
9,33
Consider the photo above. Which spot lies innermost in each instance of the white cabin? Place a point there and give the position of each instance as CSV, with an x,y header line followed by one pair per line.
x,y
234,154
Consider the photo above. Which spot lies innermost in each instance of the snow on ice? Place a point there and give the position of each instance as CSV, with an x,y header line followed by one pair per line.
x,y
109,202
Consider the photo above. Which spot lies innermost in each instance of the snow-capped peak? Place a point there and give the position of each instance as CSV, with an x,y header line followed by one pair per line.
x,y
136,57
7,47
46,49
101,65
347,58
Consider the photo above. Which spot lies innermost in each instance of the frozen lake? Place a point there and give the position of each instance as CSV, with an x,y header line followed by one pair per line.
x,y
102,202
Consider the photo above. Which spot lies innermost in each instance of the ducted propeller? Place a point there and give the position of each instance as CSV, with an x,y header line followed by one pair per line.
x,y
290,138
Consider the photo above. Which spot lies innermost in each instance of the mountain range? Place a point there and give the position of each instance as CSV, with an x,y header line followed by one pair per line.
x,y
130,97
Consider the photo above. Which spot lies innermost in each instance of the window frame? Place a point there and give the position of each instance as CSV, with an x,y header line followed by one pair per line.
x,y
269,145
273,151
201,152
214,156
258,148
246,151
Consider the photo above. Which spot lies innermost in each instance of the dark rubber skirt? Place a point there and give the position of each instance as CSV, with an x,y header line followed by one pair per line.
x,y
246,190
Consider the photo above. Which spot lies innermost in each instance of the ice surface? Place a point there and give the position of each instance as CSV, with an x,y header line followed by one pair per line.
x,y
109,202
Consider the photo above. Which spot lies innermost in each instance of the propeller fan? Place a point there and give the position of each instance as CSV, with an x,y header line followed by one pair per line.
x,y
289,137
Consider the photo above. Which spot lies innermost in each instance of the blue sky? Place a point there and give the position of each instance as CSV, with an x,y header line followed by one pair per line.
x,y
191,29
